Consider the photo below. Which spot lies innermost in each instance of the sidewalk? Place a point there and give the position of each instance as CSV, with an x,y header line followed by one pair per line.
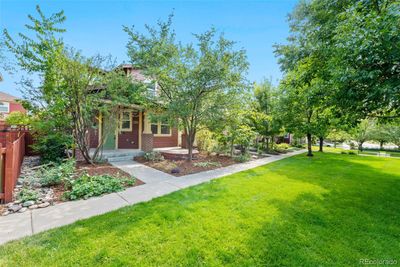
x,y
157,184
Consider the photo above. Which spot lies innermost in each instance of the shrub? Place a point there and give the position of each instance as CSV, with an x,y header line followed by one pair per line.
x,y
206,164
27,194
242,157
343,152
352,153
52,147
154,156
88,186
205,141
55,175
282,146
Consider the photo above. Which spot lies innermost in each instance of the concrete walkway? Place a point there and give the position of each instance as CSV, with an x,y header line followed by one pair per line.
x,y
156,184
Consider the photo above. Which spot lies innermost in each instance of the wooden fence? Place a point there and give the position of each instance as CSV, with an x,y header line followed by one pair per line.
x,y
11,157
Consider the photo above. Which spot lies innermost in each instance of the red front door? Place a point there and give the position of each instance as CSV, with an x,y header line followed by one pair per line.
x,y
128,132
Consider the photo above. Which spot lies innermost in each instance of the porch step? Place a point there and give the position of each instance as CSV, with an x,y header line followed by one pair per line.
x,y
121,155
117,159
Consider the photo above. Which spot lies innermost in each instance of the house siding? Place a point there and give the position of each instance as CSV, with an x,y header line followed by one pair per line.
x,y
166,141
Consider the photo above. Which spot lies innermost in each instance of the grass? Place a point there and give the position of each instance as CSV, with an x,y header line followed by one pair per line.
x,y
330,210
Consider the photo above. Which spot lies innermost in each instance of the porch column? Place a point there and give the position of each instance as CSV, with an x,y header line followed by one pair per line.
x,y
147,135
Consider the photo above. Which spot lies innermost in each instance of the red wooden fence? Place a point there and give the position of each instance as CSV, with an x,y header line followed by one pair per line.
x,y
11,157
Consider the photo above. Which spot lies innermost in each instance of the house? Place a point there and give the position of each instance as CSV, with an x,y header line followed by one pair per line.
x,y
131,128
8,104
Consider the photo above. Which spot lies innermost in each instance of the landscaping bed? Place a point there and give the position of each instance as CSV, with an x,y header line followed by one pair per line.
x,y
202,162
40,186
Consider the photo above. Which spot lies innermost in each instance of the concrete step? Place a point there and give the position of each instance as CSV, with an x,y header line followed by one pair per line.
x,y
117,159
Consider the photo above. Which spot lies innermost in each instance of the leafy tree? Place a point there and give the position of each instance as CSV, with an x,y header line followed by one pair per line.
x,y
362,132
73,88
381,133
195,82
355,43
394,133
263,117
338,136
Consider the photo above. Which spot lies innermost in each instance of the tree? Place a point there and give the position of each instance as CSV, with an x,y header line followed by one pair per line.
x,y
356,44
263,117
195,82
338,136
362,132
73,89
394,133
381,133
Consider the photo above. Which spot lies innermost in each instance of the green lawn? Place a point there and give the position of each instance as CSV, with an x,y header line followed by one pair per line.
x,y
330,210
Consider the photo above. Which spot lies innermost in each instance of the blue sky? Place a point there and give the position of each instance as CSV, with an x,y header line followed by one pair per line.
x,y
96,26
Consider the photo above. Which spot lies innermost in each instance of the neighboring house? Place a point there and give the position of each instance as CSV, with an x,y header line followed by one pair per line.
x,y
8,104
133,128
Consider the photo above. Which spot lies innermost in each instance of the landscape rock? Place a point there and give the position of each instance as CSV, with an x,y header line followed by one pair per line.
x,y
33,207
14,208
5,213
44,205
28,203
23,210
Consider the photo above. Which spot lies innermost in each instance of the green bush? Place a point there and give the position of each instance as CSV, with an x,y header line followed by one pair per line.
x,y
206,164
282,146
87,186
49,176
52,147
27,194
352,153
242,157
343,152
206,141
154,156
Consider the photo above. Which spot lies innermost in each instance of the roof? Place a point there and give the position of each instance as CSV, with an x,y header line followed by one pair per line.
x,y
7,97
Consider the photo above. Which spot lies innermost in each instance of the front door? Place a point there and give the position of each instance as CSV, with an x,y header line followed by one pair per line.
x,y
109,128
128,132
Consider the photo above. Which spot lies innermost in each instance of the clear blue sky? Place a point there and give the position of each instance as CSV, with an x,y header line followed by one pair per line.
x,y
96,26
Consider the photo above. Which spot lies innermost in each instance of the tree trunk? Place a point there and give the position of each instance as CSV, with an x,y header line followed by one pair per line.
x,y
190,146
309,145
381,145
360,147
267,143
334,144
321,144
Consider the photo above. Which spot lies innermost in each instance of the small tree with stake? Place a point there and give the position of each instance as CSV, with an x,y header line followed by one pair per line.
x,y
195,82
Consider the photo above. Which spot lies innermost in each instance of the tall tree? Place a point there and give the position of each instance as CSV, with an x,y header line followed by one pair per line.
x,y
73,89
362,132
263,117
195,81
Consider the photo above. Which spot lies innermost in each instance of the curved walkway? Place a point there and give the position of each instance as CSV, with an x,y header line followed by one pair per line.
x,y
156,184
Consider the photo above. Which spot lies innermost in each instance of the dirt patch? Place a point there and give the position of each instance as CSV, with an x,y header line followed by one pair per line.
x,y
203,162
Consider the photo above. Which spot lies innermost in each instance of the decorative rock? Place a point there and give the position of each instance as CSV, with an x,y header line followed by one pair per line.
x,y
14,208
5,213
175,170
17,202
44,205
33,207
28,203
23,210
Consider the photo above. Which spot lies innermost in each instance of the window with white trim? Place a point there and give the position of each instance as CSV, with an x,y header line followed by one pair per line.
x,y
4,107
126,121
160,128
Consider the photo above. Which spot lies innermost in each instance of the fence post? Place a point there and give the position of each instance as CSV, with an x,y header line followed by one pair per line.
x,y
8,174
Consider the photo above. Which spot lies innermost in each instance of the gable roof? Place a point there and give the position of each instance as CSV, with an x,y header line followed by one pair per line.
x,y
7,97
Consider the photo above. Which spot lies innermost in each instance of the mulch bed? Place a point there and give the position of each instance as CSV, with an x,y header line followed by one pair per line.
x,y
187,167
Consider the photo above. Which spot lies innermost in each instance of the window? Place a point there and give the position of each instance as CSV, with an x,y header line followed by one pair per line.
x,y
160,128
126,121
4,107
